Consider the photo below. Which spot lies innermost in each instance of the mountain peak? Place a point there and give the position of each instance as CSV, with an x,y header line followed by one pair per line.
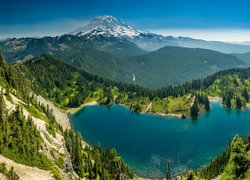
x,y
106,18
105,21
107,26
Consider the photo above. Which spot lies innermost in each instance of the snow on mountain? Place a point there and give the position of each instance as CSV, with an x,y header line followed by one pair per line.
x,y
106,26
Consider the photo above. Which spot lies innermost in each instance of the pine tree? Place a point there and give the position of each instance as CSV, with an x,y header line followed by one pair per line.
x,y
238,103
1,106
245,94
194,112
228,102
207,104
168,172
239,162
1,140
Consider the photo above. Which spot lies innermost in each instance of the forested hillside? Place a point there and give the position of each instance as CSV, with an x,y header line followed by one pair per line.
x,y
188,99
121,60
67,86
99,56
70,87
39,140
175,65
233,163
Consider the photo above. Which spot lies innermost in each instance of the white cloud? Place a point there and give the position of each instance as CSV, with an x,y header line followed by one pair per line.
x,y
228,35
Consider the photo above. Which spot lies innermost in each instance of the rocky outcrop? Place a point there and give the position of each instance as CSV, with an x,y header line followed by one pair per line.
x,y
54,147
61,118
26,172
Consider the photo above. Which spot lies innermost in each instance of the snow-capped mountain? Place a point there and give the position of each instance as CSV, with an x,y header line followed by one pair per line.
x,y
106,26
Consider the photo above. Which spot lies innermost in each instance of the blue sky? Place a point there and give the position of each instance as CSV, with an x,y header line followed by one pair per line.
x,y
227,20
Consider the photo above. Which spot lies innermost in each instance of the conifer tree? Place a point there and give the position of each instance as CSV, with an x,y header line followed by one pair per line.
x,y
1,106
245,94
228,102
238,103
207,104
194,112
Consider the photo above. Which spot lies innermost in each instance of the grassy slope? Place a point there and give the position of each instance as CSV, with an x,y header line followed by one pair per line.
x,y
230,84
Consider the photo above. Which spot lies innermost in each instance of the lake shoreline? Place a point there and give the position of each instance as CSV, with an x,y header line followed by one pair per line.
x,y
214,98
75,110
102,125
72,111
218,99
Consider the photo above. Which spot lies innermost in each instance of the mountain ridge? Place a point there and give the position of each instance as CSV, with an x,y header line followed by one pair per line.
x,y
105,26
245,57
109,26
119,57
175,65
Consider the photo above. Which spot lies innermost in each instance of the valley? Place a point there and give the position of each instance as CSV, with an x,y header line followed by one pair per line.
x,y
90,96
69,87
108,48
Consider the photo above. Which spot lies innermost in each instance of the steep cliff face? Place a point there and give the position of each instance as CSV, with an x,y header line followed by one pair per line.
x,y
36,134
53,146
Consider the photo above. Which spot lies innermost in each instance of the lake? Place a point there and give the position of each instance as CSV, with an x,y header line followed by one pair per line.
x,y
146,142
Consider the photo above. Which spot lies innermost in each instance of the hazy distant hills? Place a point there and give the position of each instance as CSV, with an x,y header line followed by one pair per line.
x,y
108,47
245,57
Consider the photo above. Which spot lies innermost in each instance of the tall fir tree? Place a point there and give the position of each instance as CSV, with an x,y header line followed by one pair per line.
x,y
207,104
228,102
238,103
245,94
194,112
1,106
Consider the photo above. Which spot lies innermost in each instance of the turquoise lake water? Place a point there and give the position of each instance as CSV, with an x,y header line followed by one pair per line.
x,y
147,142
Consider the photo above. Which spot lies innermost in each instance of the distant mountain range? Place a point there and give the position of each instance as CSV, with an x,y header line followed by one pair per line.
x,y
106,26
109,26
110,48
